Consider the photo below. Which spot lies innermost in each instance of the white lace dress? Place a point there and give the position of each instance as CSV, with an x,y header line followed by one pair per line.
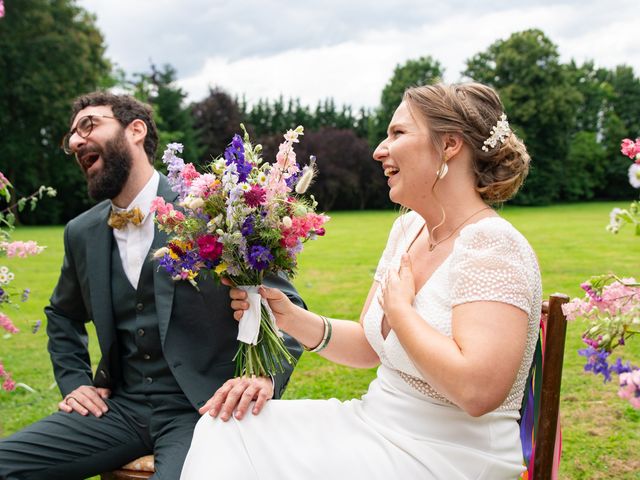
x,y
401,428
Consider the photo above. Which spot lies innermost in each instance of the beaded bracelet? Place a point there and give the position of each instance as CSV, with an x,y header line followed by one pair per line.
x,y
326,336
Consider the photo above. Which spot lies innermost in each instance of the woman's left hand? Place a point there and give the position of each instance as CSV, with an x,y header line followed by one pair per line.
x,y
398,291
235,396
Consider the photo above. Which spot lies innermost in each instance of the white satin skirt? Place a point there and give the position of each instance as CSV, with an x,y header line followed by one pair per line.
x,y
392,432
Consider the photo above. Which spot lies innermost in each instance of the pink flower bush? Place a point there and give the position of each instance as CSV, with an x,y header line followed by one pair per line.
x,y
21,249
611,305
15,249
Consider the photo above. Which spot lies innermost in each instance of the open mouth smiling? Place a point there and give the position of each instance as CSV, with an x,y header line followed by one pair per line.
x,y
390,171
88,159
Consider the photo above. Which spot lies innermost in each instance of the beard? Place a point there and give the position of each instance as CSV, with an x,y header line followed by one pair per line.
x,y
108,182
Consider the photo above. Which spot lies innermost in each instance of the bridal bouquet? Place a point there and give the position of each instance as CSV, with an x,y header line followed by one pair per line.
x,y
241,220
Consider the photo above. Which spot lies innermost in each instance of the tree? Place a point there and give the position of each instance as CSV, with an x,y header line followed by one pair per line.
x,y
584,167
423,71
173,118
50,52
217,119
539,101
347,178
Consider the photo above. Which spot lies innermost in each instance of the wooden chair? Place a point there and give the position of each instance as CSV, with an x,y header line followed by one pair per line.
x,y
140,469
555,331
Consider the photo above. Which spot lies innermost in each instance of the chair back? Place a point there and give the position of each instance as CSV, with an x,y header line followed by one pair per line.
x,y
540,426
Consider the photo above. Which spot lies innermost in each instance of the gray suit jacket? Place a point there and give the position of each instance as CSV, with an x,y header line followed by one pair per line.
x,y
197,329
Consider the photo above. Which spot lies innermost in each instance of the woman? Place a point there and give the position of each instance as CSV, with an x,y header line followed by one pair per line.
x,y
452,317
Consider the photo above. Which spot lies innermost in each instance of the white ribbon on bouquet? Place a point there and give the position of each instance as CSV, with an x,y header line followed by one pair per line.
x,y
249,328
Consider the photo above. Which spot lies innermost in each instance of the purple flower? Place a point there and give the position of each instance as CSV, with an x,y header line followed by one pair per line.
x,y
234,153
619,367
36,326
260,257
596,362
25,294
247,226
293,179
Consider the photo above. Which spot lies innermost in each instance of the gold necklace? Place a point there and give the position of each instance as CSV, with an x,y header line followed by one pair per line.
x,y
432,246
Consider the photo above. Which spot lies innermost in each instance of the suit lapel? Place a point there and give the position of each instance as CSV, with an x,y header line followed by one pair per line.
x,y
99,267
164,286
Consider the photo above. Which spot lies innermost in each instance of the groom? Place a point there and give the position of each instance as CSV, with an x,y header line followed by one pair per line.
x,y
166,347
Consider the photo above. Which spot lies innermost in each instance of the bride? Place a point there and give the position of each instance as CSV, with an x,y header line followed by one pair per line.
x,y
451,318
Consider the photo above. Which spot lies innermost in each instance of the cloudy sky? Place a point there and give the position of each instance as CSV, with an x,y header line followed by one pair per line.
x,y
340,48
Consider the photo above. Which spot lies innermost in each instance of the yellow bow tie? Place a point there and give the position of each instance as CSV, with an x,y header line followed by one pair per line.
x,y
119,220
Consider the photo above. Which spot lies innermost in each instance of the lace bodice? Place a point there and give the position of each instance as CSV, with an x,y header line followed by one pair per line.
x,y
490,261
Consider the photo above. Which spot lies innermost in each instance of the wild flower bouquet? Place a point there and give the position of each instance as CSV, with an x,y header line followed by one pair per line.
x,y
611,305
243,219
8,291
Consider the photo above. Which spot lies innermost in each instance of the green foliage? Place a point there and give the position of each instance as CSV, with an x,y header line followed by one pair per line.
x,y
584,167
50,52
173,118
422,71
539,100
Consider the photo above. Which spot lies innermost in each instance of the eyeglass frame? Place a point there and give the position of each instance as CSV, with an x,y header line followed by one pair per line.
x,y
64,144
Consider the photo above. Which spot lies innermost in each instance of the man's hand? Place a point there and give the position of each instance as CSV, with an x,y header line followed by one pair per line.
x,y
236,394
86,400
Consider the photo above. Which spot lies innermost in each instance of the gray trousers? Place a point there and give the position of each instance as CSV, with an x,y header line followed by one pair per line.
x,y
69,446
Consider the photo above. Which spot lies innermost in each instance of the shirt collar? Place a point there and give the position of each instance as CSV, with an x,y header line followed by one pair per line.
x,y
145,196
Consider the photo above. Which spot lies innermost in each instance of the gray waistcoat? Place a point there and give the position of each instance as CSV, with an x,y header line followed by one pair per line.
x,y
144,368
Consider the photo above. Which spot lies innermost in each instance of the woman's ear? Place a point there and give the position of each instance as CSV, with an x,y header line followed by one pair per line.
x,y
452,145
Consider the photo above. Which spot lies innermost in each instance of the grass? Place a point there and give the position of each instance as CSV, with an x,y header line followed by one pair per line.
x,y
601,433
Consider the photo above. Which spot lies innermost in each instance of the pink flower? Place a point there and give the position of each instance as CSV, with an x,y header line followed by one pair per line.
x,y
4,182
21,249
628,148
1,8
204,186
9,385
165,213
189,174
7,324
210,248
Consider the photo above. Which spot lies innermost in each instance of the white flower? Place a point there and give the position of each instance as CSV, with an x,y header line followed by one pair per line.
x,y
196,203
244,186
262,178
3,278
634,175
615,222
287,222
4,270
161,252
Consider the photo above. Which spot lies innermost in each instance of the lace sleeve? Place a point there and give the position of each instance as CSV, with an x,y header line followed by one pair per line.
x,y
492,264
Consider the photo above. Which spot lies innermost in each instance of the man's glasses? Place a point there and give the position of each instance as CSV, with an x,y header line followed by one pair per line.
x,y
84,127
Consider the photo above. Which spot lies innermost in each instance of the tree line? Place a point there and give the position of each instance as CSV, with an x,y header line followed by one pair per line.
x,y
571,117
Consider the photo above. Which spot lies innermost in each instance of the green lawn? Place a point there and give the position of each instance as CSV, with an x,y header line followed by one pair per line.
x,y
601,434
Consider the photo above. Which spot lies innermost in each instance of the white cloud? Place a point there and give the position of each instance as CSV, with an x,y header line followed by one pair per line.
x,y
344,50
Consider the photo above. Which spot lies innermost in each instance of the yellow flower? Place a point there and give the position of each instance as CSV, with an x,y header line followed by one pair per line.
x,y
221,268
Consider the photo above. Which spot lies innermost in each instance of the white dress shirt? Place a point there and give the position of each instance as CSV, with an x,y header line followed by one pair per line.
x,y
134,241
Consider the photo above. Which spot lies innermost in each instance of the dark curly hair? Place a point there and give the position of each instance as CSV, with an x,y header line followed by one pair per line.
x,y
126,109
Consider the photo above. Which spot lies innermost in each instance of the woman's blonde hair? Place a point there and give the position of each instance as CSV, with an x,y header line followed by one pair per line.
x,y
471,110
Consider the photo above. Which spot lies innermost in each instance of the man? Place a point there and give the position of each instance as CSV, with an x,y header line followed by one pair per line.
x,y
166,346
